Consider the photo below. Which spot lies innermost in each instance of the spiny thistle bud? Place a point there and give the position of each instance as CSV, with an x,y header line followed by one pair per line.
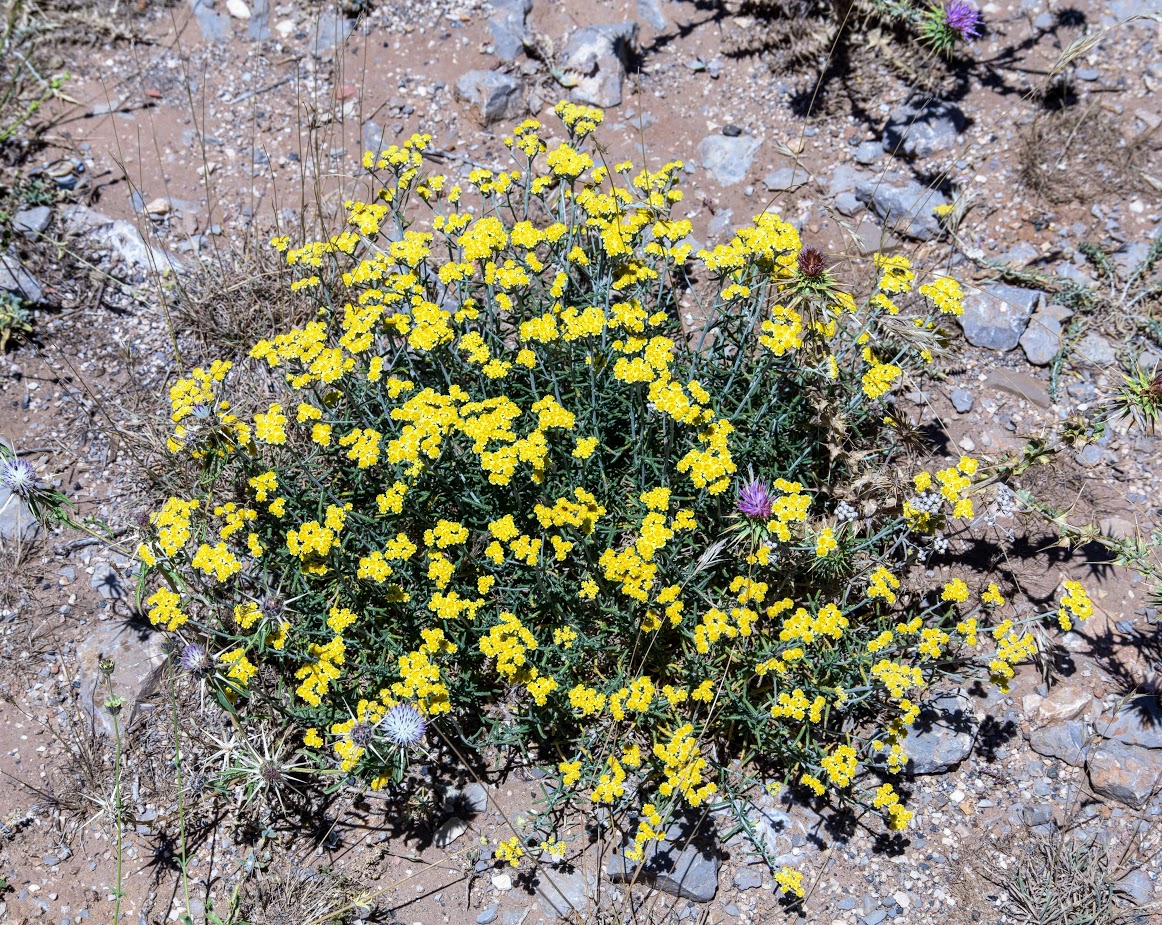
x,y
812,263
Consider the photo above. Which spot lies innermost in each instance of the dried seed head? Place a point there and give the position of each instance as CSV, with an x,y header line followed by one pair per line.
x,y
17,476
271,773
194,659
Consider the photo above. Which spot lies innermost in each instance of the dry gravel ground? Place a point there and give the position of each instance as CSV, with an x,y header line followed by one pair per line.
x,y
222,128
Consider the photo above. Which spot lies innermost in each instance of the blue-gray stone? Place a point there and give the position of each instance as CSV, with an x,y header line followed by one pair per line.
x,y
1063,741
728,159
942,736
507,25
904,206
495,96
747,878
962,400
595,58
685,864
651,12
923,130
996,315
487,915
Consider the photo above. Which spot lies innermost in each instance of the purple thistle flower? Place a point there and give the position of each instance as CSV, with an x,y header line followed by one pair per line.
x,y
17,476
755,501
404,725
193,658
963,19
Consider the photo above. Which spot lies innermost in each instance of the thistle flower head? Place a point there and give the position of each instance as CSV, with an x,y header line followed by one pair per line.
x,y
754,500
17,476
963,19
193,658
404,725
812,263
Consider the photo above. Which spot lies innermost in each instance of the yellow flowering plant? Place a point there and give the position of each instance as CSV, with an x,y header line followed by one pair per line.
x,y
503,494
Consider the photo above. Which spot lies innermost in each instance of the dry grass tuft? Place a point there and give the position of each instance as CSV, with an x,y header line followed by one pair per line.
x,y
1075,155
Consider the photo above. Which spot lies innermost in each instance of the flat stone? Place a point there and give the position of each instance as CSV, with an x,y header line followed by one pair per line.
x,y
107,582
239,9
474,797
508,27
651,12
923,130
493,95
682,866
258,29
17,523
213,25
1037,815
1063,703
847,204
17,280
962,400
487,915
448,832
32,222
904,206
942,736
595,58
1095,350
137,657
330,33
1042,339
728,159
119,236
1129,257
1136,887
868,152
786,178
1139,722
996,315
1019,384
565,895
1125,773
747,878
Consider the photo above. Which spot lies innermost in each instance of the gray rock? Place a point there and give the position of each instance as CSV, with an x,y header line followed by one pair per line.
x,y
17,280
487,915
728,159
448,832
685,864
17,524
1139,722
565,895
137,657
786,178
331,32
1125,773
962,400
1019,384
1127,258
721,223
1037,815
1041,339
846,904
924,130
869,152
32,222
494,96
874,918
651,12
747,878
212,24
844,179
847,204
996,315
1136,887
119,236
107,582
595,58
1096,351
508,27
474,797
373,137
905,206
943,735
258,29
